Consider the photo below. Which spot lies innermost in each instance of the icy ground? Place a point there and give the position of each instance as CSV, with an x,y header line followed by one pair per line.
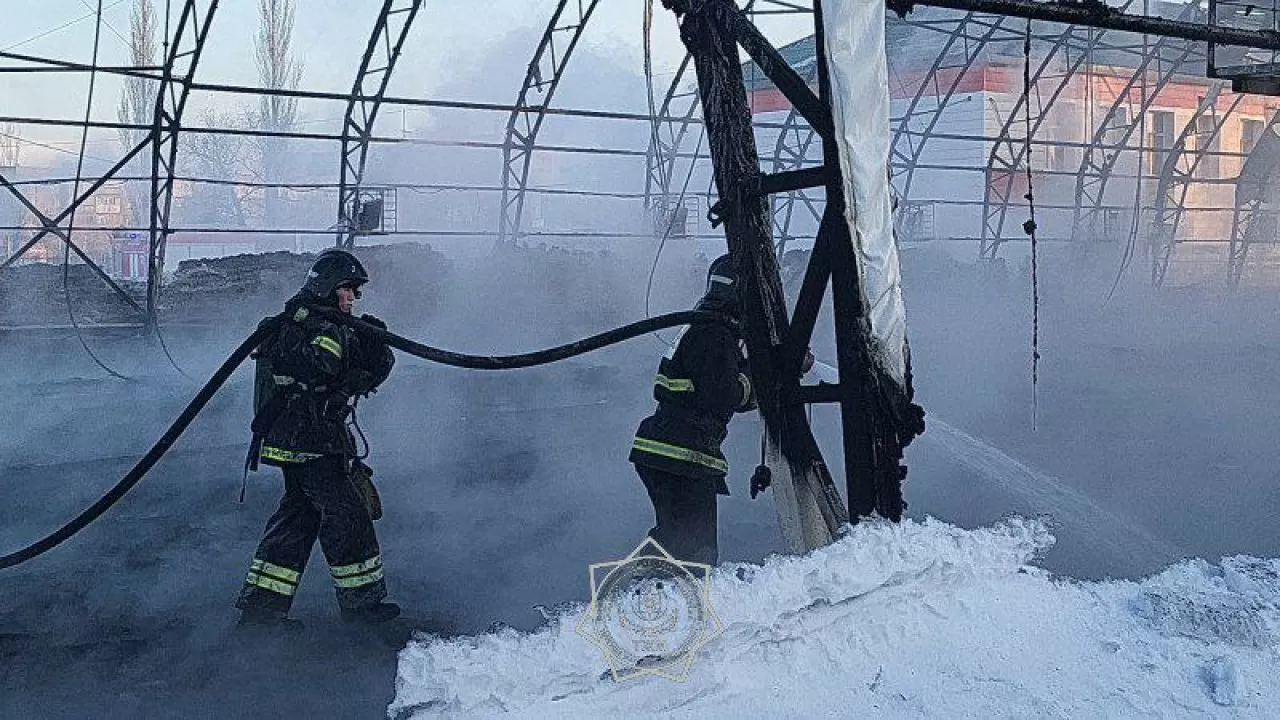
x,y
918,620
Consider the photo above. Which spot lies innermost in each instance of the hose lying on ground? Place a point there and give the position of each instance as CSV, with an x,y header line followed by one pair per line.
x,y
426,352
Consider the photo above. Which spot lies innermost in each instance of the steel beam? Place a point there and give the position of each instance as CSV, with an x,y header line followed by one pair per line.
x,y
544,73
367,93
185,49
1109,141
1177,173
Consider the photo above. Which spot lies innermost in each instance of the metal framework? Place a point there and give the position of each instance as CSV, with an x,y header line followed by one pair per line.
x,y
367,93
1110,139
1009,153
543,77
966,34
1177,174
1254,218
185,48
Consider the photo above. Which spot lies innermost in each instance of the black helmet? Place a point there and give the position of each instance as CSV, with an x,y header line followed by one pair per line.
x,y
333,269
722,287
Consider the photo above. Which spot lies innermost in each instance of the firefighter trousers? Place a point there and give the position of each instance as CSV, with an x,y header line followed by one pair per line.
x,y
319,502
684,509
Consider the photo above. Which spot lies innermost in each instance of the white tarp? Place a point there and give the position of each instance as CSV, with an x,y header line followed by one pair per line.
x,y
855,47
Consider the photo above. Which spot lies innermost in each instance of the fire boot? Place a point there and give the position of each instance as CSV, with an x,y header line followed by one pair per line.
x,y
258,618
372,614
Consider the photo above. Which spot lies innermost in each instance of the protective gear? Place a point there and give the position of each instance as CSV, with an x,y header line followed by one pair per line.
x,y
373,614
333,269
362,479
722,288
700,384
318,368
319,502
698,389
684,510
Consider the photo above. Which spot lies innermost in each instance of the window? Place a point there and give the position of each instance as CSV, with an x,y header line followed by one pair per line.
x,y
1207,144
106,204
1161,139
1250,131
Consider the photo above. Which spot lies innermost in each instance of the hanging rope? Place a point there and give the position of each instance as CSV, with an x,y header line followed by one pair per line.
x,y
1029,227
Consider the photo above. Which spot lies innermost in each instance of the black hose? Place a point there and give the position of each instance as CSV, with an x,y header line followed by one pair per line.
x,y
515,362
202,398
148,461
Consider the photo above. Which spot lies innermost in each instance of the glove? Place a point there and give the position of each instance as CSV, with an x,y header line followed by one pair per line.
x,y
808,362
761,479
374,321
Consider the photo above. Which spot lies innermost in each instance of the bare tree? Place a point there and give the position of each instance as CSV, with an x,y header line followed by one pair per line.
x,y
137,104
221,158
278,69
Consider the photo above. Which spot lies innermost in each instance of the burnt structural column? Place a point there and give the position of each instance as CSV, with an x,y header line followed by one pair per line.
x,y
711,30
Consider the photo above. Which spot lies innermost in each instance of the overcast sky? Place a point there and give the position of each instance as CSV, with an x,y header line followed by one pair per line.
x,y
329,37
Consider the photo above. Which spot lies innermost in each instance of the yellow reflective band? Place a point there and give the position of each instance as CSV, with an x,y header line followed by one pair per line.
x,y
277,571
329,344
653,447
673,384
267,583
745,382
287,456
361,580
358,568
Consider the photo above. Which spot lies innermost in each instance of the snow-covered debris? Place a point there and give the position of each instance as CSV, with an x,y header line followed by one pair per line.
x,y
910,620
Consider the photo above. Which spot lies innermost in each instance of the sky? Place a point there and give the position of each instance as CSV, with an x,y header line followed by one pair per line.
x,y
329,37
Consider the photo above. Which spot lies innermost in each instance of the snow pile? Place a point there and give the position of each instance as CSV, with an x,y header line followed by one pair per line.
x,y
910,620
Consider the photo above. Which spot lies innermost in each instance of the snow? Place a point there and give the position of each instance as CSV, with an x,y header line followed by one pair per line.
x,y
920,619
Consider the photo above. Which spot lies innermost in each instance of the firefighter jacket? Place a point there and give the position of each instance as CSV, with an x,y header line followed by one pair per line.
x,y
319,369
699,386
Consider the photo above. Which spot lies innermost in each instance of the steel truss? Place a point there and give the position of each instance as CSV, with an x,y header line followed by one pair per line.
x,y
544,74
1254,218
1109,140
367,93
1177,174
1008,154
185,48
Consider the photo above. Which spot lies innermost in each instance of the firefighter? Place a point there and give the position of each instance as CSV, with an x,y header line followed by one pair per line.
x,y
319,369
701,383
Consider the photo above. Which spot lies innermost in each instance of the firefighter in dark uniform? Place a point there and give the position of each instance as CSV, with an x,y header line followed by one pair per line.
x,y
700,384
319,369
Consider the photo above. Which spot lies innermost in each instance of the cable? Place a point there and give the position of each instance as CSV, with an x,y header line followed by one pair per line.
x,y
648,292
445,357
75,192
1029,227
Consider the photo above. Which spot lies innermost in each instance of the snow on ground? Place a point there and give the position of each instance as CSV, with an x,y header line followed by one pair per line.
x,y
921,619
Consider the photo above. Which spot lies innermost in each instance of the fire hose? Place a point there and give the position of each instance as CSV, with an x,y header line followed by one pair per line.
x,y
425,352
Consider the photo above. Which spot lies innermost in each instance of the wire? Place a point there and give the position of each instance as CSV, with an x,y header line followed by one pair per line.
x,y
75,192
648,291
63,26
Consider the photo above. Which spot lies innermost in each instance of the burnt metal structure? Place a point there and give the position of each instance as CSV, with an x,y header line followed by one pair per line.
x,y
184,51
367,93
543,77
712,31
